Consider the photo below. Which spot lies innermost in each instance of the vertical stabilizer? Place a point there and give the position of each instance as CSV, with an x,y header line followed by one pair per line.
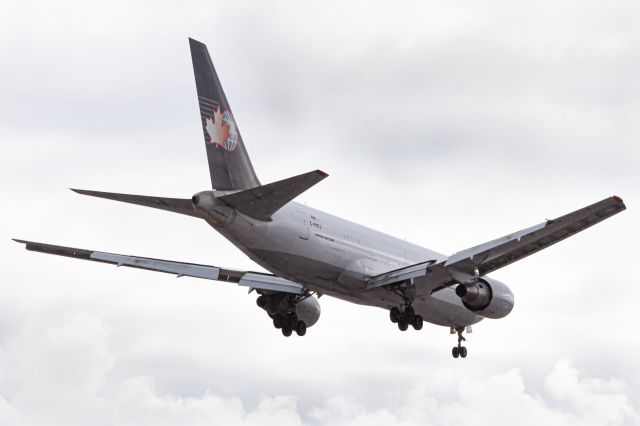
x,y
229,163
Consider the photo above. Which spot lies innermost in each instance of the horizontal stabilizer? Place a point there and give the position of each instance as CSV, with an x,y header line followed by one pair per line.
x,y
263,201
176,205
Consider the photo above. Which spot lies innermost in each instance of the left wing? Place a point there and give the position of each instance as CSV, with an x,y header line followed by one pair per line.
x,y
467,265
253,280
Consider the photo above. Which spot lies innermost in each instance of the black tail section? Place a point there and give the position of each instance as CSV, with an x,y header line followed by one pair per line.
x,y
229,163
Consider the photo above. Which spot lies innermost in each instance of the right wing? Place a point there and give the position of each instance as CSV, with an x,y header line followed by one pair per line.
x,y
467,265
253,280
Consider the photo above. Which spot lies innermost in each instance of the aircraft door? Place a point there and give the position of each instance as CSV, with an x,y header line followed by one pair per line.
x,y
301,222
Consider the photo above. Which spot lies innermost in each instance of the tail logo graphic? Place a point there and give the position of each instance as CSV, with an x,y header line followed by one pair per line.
x,y
221,129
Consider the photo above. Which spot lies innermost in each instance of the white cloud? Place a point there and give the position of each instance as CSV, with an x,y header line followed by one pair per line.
x,y
598,400
62,373
66,368
447,124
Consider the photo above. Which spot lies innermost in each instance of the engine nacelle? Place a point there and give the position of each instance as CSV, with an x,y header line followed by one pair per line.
x,y
308,310
281,304
487,297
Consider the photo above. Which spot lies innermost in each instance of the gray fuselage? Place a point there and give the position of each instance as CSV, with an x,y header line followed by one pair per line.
x,y
335,257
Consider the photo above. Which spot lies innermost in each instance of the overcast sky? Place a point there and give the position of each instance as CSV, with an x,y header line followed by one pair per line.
x,y
448,123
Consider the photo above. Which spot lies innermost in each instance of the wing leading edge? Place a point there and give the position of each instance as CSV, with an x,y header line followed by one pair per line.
x,y
467,265
253,280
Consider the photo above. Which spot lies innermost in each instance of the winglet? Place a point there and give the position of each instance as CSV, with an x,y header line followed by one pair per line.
x,y
263,201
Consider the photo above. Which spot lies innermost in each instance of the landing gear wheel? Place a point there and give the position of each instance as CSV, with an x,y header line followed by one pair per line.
x,y
286,331
301,328
403,326
417,322
277,322
262,301
394,315
459,351
409,313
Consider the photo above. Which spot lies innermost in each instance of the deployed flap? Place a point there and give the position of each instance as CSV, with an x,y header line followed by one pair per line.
x,y
252,280
468,265
263,201
399,275
176,205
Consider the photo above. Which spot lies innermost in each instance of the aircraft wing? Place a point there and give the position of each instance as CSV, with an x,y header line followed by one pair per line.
x,y
253,280
467,265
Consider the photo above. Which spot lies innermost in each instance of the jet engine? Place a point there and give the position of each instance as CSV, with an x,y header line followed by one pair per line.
x,y
487,297
308,310
290,312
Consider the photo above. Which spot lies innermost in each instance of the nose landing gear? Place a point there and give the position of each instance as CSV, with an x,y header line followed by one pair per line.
x,y
459,351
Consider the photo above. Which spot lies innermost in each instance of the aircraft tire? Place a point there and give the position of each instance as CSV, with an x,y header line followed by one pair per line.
x,y
301,328
455,352
463,352
286,331
394,315
277,322
261,301
409,313
403,326
418,322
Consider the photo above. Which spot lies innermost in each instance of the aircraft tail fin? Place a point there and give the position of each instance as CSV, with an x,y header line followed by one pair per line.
x,y
229,164
263,201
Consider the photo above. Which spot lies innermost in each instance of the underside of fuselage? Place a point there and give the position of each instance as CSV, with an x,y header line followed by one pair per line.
x,y
339,270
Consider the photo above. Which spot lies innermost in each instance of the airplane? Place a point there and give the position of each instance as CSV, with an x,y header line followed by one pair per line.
x,y
310,253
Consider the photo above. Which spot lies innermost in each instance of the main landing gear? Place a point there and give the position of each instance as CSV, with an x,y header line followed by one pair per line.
x,y
459,351
289,323
405,318
405,315
281,308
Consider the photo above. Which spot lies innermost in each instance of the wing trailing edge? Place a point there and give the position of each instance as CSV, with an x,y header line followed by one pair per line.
x,y
253,280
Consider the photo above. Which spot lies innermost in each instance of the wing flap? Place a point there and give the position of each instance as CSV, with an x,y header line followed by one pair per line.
x,y
399,275
170,267
269,282
253,280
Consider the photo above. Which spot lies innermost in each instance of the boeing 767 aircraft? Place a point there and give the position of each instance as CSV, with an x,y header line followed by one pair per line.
x,y
312,253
